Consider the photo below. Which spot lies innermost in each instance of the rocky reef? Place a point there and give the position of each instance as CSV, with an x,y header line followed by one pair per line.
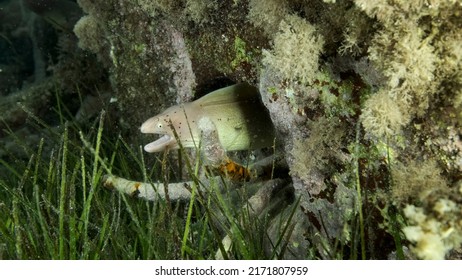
x,y
365,97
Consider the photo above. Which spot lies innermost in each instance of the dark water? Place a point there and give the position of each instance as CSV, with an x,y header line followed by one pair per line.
x,y
29,32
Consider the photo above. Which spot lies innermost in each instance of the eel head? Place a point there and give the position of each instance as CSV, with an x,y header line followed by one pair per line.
x,y
171,121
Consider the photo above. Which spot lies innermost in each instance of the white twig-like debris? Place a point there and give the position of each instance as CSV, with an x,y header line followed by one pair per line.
x,y
149,191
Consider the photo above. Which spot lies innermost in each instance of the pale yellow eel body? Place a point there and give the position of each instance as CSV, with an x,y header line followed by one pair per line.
x,y
239,117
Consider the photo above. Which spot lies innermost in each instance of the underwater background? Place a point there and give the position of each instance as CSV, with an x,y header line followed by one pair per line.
x,y
365,98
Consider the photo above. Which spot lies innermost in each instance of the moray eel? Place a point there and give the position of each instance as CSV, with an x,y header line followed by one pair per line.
x,y
239,117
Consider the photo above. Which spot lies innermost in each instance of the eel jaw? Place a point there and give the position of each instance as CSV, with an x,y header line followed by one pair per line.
x,y
161,144
166,141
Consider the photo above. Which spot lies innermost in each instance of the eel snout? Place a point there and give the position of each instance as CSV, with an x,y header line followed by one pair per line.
x,y
154,126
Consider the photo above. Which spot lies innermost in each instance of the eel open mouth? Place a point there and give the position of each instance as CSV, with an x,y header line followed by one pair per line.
x,y
164,142
160,144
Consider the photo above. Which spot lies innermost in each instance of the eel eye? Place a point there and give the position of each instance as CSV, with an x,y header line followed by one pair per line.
x,y
159,125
